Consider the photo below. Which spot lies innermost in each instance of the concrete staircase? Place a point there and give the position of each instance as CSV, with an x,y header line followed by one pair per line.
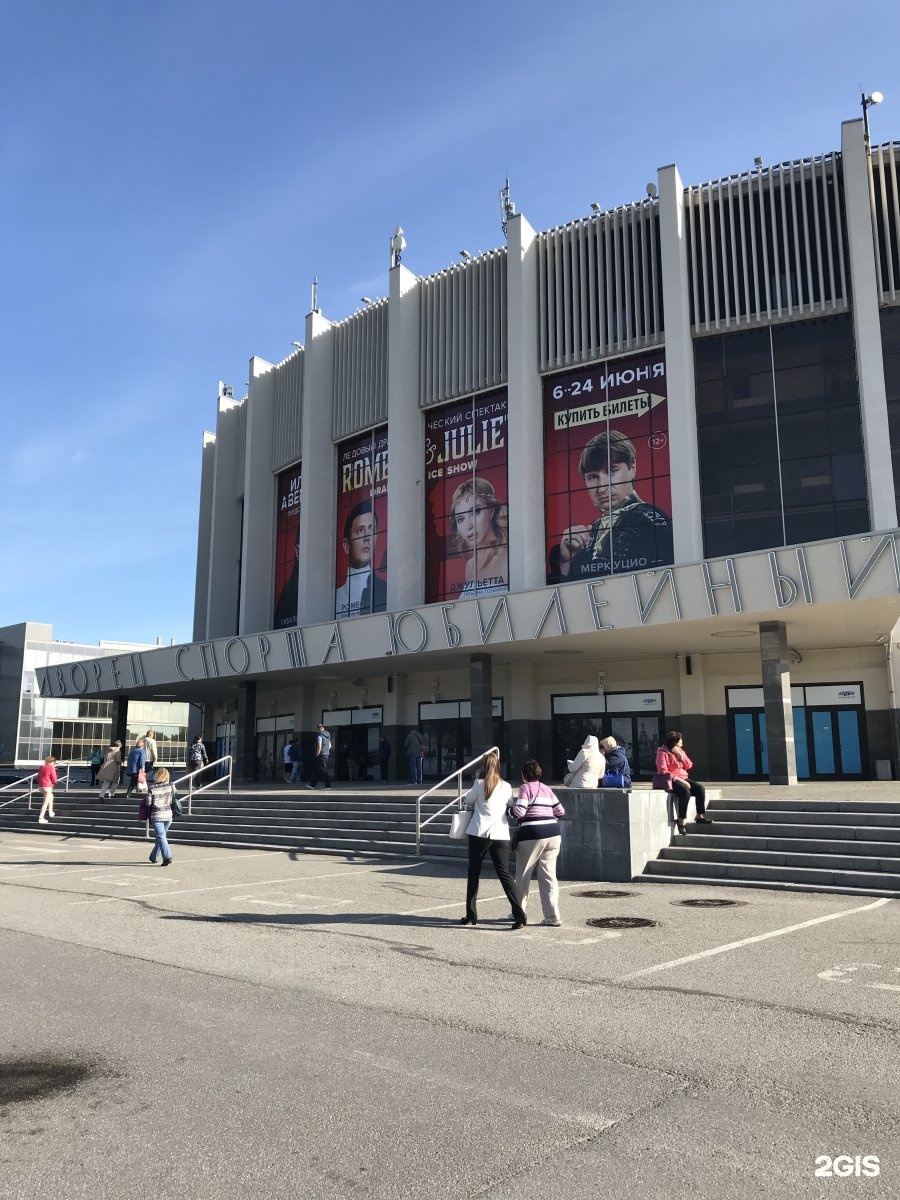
x,y
329,822
800,845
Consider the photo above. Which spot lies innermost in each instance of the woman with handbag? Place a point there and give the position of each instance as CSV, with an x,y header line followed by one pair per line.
x,y
161,799
618,770
488,833
587,767
110,771
137,756
537,810
672,766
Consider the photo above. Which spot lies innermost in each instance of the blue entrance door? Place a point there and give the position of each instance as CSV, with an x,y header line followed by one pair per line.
x,y
751,751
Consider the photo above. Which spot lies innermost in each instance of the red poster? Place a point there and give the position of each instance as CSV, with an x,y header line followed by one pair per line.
x,y
361,558
606,462
466,540
287,548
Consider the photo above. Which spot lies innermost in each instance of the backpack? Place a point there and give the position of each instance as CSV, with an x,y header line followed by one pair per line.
x,y
196,753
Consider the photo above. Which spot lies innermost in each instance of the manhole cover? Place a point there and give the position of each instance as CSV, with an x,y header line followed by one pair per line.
x,y
602,894
620,923
710,902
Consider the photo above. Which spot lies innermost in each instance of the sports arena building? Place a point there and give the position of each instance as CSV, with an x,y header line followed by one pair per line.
x,y
635,472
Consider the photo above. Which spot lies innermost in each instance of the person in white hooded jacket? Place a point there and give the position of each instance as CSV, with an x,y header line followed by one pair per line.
x,y
588,767
489,799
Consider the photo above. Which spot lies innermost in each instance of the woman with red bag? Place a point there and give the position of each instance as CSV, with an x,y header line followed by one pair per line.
x,y
137,757
672,761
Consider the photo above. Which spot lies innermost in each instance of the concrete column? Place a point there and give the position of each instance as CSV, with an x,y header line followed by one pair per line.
x,y
892,657
120,723
867,327
317,524
776,677
395,726
406,446
481,686
245,733
683,455
223,595
204,525
258,573
692,718
527,566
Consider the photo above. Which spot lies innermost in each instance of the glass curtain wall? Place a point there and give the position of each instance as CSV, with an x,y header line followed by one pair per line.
x,y
780,437
890,345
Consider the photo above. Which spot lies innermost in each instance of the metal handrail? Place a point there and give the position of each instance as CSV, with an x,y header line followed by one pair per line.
x,y
195,791
192,791
29,779
458,774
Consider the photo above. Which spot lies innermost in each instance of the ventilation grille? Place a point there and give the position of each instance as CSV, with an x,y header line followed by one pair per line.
x,y
360,371
462,333
241,457
599,286
884,185
287,431
767,245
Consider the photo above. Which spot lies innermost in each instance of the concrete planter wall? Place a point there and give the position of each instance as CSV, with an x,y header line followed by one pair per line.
x,y
609,834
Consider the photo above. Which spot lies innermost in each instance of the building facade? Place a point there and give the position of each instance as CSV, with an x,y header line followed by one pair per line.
x,y
71,727
636,472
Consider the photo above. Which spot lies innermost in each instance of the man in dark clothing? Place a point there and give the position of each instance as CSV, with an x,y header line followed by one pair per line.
x,y
296,761
320,763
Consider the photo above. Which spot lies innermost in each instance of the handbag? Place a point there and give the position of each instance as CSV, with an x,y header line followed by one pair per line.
x,y
568,777
662,782
613,779
459,825
143,811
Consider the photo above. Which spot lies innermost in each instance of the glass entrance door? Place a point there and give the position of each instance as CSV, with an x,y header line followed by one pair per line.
x,y
639,735
829,743
751,750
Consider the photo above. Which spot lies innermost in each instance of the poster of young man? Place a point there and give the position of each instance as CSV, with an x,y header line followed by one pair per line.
x,y
606,469
287,548
466,538
361,557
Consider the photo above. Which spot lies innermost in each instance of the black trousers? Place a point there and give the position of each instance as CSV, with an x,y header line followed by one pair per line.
x,y
499,852
683,789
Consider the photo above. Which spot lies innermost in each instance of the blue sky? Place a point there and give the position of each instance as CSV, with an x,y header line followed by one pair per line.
x,y
174,174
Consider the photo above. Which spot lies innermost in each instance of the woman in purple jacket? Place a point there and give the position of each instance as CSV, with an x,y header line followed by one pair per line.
x,y
537,810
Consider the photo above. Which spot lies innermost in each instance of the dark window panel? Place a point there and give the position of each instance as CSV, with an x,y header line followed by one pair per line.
x,y
757,532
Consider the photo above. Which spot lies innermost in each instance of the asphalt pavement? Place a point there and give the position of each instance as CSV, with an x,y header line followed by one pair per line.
x,y
259,1024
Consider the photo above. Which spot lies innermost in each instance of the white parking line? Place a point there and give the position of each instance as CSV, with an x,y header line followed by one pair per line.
x,y
760,937
262,883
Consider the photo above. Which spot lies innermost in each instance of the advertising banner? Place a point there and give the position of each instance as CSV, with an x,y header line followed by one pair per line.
x,y
361,558
606,469
287,548
466,538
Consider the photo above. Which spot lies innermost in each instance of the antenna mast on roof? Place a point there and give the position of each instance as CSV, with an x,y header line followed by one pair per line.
x,y
507,208
314,295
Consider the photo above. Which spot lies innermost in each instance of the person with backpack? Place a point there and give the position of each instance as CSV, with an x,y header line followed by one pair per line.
x,y
320,764
196,755
286,759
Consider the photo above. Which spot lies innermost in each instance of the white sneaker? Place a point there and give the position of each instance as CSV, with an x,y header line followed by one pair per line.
x,y
43,821
552,924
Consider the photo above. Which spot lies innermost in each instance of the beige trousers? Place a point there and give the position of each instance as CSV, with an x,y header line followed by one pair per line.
x,y
542,854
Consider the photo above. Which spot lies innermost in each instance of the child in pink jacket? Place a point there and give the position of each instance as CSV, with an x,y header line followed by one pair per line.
x,y
46,778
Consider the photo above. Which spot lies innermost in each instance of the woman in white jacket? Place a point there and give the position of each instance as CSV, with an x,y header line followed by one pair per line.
x,y
588,767
488,833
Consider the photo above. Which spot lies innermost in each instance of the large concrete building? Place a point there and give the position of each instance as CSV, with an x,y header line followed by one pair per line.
x,y
71,726
631,473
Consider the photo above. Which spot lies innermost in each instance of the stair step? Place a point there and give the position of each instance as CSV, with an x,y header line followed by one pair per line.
x,y
816,859
808,829
809,845
815,806
812,816
730,870
763,884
